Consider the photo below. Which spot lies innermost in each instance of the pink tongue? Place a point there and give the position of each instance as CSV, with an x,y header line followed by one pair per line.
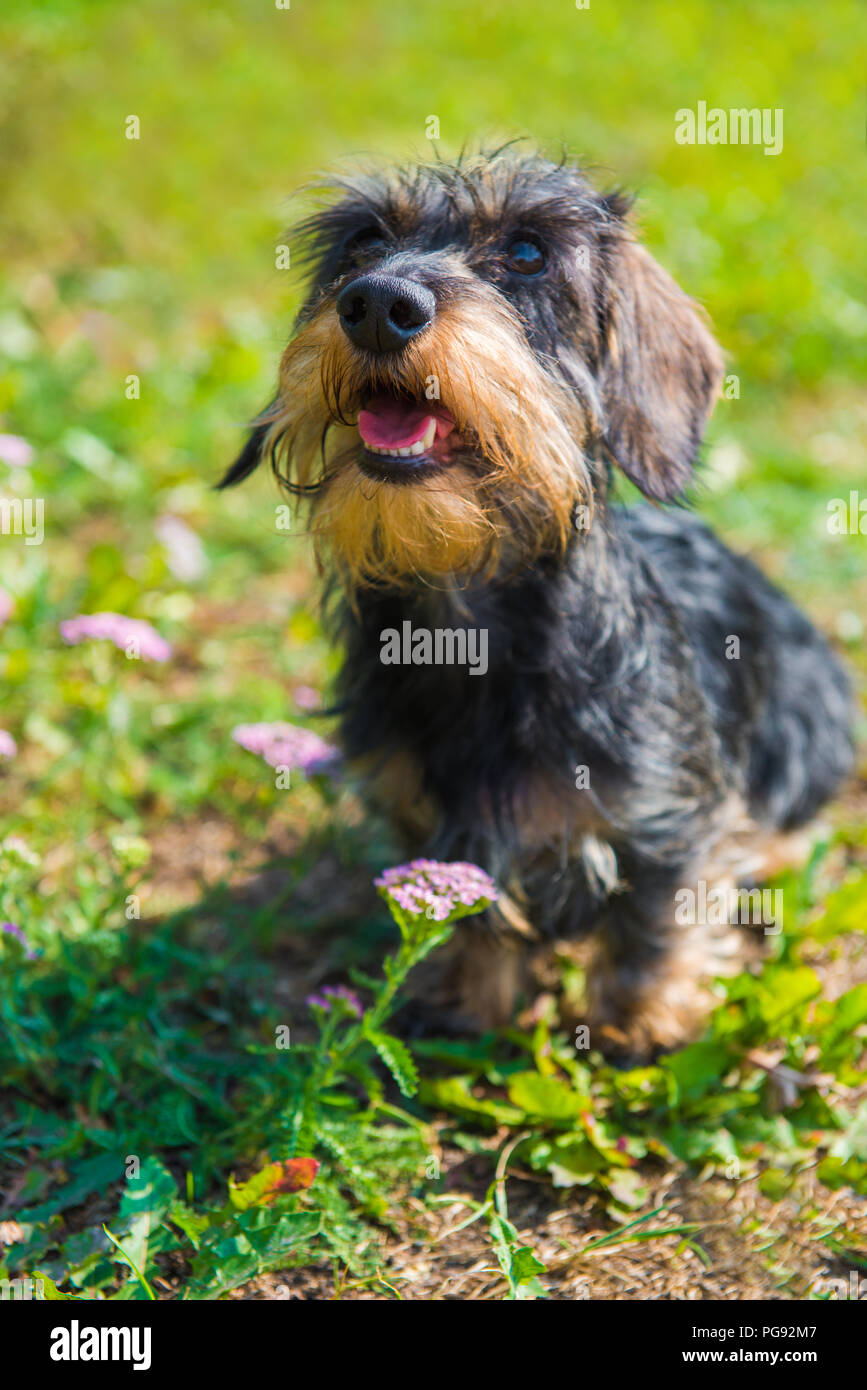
x,y
391,424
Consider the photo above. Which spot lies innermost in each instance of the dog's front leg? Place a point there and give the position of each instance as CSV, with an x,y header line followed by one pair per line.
x,y
648,989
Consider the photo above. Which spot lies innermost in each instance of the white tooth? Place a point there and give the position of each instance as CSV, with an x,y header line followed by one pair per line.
x,y
417,448
429,434
403,453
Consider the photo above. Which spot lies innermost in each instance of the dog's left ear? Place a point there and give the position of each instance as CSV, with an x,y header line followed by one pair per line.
x,y
249,458
660,375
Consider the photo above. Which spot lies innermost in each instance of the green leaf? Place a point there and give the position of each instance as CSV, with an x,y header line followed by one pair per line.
x,y
154,1190
519,1263
776,1183
453,1093
397,1058
525,1264
128,1260
837,1172
574,1164
241,1250
782,991
845,910
145,1201
545,1096
93,1175
849,1012
698,1068
192,1223
50,1293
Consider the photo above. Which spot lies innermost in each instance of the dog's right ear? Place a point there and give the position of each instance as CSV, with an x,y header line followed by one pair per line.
x,y
249,458
660,376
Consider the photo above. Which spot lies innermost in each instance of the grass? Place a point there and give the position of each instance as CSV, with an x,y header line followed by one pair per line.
x,y
177,906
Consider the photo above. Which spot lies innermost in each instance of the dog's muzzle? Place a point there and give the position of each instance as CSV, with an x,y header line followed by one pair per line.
x,y
382,313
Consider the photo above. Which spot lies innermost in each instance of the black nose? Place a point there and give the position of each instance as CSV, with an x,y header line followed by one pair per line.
x,y
383,312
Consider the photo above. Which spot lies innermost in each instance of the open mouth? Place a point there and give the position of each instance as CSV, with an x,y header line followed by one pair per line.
x,y
403,438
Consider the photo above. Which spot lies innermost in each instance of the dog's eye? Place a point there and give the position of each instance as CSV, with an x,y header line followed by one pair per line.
x,y
365,241
525,256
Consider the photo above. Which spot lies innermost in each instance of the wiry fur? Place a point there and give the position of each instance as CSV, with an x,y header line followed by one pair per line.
x,y
607,640
522,477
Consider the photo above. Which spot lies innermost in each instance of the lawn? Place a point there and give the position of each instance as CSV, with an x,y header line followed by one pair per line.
x,y
176,1121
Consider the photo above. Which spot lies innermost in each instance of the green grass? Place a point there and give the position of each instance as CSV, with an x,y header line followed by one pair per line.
x,y
152,1035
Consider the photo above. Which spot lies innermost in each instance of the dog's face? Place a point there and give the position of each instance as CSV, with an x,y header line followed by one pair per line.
x,y
477,339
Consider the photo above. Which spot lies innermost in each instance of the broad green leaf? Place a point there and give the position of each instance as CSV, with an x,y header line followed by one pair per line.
x,y
545,1096
845,910
453,1093
525,1264
697,1068
776,1183
780,992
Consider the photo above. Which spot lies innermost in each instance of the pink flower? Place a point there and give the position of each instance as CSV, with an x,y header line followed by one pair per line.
x,y
131,635
15,451
425,887
12,929
7,606
340,994
287,745
306,697
185,554
8,746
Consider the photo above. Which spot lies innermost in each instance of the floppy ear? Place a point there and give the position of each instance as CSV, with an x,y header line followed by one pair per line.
x,y
249,458
661,373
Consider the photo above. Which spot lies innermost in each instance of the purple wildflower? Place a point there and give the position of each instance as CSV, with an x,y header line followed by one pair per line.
x,y
132,635
306,697
426,887
185,554
15,451
287,745
8,746
7,606
12,929
334,992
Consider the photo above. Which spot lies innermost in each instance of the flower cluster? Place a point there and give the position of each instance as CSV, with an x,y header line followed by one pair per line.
x,y
287,745
332,993
426,887
8,746
131,635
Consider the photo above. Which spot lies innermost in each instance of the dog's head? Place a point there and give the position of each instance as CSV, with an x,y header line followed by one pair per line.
x,y
478,339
